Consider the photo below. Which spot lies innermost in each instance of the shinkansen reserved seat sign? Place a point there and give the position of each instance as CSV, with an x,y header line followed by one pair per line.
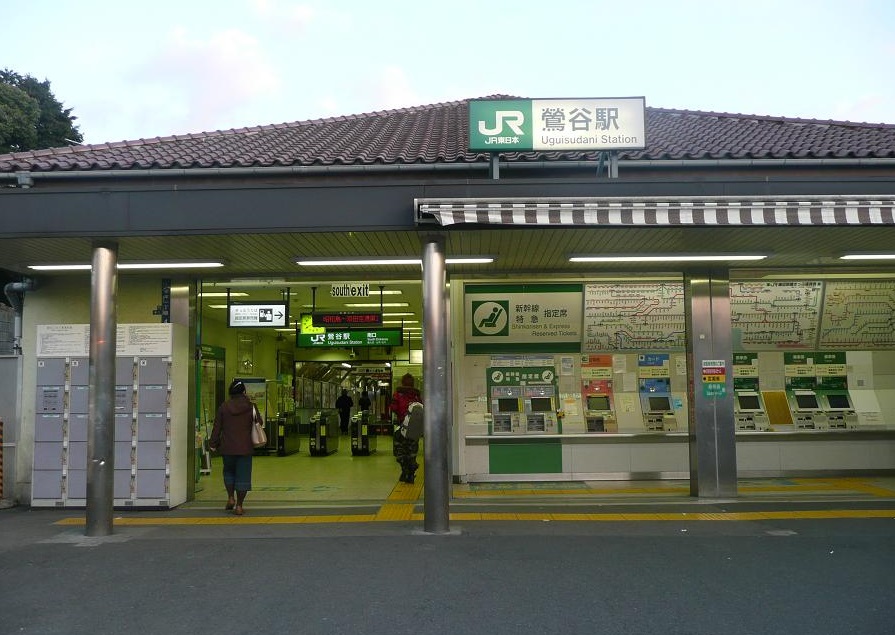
x,y
604,123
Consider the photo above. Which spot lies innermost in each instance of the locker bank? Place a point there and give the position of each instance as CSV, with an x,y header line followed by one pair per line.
x,y
686,310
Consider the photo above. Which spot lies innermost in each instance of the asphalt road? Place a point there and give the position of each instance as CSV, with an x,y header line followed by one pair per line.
x,y
757,577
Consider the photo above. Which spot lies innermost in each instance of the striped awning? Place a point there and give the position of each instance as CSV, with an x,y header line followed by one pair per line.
x,y
670,211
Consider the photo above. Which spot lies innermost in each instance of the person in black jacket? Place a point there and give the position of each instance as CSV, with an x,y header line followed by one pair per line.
x,y
344,404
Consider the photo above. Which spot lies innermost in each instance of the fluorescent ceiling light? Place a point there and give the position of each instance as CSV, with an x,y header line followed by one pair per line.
x,y
397,314
400,321
359,261
292,330
69,267
170,265
217,306
469,260
368,305
346,364
669,258
353,262
867,257
222,294
129,265
386,292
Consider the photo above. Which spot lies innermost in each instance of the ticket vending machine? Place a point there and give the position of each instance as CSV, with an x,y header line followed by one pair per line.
x,y
840,411
749,411
599,415
506,410
658,413
540,410
807,413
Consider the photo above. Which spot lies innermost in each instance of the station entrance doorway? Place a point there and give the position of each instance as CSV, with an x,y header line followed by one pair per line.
x,y
296,374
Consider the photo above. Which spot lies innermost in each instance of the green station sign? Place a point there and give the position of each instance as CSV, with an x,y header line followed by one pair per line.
x,y
520,125
350,338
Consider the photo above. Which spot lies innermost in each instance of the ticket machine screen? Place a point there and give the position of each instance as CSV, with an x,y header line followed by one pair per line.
x,y
839,402
748,403
507,405
598,402
807,401
657,404
541,404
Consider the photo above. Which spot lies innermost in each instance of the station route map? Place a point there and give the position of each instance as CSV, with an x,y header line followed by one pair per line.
x,y
858,315
765,315
633,317
768,315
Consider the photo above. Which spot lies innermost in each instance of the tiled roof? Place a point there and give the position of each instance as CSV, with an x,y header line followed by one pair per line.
x,y
437,133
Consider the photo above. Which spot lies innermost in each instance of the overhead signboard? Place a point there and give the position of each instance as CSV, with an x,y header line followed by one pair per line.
x,y
520,125
350,290
258,314
350,338
346,319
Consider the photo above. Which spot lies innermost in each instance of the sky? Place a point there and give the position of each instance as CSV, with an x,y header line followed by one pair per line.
x,y
138,70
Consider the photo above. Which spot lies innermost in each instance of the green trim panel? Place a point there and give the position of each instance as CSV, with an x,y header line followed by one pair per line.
x,y
551,347
537,287
537,456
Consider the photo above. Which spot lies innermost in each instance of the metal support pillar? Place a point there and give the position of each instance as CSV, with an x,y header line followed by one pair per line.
x,y
101,401
435,387
713,469
613,164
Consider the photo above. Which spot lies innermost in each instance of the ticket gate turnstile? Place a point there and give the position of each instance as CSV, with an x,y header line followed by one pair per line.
x,y
363,439
324,433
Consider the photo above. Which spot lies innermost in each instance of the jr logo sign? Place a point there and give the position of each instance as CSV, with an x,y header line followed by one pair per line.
x,y
500,125
512,118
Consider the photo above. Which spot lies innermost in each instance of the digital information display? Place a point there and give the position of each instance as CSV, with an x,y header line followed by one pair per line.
x,y
346,319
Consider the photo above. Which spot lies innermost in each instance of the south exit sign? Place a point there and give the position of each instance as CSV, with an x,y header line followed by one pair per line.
x,y
520,125
350,338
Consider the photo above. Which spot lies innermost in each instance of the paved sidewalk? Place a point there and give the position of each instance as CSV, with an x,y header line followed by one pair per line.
x,y
774,574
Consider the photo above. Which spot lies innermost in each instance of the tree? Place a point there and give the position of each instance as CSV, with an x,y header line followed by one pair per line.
x,y
31,118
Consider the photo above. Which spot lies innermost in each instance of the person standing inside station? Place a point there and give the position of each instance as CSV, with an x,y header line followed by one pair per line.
x,y
364,402
232,436
344,404
406,446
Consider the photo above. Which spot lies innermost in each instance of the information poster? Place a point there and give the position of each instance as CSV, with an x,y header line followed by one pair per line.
x,y
73,340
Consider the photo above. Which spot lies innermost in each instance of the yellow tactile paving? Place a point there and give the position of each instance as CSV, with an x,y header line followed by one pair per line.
x,y
403,498
391,512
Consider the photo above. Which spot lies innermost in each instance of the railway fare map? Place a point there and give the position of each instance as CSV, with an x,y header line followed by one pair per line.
x,y
858,315
633,317
768,315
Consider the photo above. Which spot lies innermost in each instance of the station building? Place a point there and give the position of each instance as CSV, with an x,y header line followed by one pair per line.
x,y
715,305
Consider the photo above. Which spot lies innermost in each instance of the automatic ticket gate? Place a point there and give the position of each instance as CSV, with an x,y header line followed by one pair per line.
x,y
363,438
324,433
